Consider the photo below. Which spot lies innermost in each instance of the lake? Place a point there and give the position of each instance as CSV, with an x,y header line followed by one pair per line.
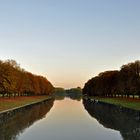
x,y
69,119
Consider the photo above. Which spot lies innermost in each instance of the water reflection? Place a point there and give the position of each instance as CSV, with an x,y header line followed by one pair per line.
x,y
67,121
125,121
11,127
72,95
59,96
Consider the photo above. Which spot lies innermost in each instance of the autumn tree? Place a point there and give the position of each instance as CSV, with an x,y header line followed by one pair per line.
x,y
125,82
16,81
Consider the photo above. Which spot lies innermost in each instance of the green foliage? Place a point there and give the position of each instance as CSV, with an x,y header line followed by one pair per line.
x,y
74,93
59,93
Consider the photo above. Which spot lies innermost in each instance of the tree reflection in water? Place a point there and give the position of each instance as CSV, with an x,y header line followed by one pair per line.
x,y
123,120
11,127
72,96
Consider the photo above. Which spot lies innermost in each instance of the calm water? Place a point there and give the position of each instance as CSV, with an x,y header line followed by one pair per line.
x,y
70,120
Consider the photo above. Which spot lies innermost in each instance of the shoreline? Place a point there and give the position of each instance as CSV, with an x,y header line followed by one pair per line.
x,y
10,112
94,100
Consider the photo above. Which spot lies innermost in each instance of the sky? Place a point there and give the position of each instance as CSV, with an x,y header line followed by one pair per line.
x,y
70,41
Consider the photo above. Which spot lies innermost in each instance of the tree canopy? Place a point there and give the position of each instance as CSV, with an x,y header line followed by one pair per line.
x,y
124,82
16,81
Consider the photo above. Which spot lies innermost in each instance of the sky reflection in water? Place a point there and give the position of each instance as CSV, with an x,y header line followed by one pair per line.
x,y
68,120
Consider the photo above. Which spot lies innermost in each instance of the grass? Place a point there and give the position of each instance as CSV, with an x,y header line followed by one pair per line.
x,y
9,103
124,102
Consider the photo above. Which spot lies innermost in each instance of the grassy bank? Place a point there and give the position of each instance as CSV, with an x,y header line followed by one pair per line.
x,y
124,102
9,103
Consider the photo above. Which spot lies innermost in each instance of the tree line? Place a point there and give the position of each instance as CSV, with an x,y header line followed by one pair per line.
x,y
15,81
124,82
73,93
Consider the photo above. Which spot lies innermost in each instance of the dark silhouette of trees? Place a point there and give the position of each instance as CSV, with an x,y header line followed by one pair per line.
x,y
17,122
14,81
125,82
74,93
114,117
59,93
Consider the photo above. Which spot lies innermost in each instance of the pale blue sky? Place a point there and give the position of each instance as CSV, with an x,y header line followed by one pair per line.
x,y
70,41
